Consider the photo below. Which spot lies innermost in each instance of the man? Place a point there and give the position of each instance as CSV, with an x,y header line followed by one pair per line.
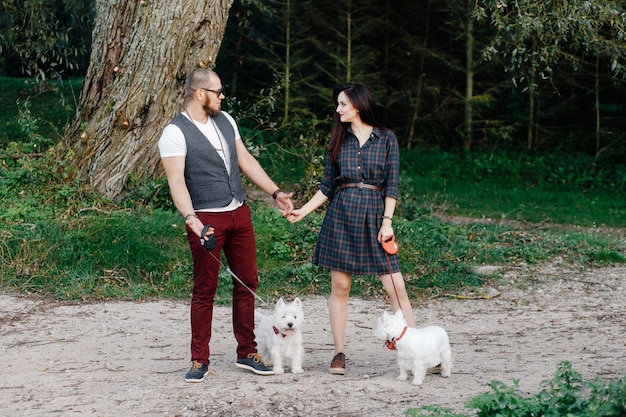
x,y
204,156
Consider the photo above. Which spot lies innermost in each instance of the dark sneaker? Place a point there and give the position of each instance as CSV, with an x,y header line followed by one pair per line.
x,y
254,363
197,372
338,364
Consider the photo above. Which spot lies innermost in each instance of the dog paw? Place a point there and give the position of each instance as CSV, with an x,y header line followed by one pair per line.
x,y
297,370
418,381
402,377
278,370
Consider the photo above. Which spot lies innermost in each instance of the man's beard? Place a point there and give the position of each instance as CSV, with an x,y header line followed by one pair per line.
x,y
211,111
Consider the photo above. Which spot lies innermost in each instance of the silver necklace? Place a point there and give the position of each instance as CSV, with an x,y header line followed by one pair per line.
x,y
219,137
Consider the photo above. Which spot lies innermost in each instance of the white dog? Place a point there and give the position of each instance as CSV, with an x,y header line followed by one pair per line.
x,y
418,349
279,336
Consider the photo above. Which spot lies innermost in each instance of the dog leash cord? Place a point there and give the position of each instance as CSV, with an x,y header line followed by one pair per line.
x,y
237,278
248,288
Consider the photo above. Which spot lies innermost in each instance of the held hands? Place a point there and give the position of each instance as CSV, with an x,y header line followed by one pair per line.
x,y
286,207
284,202
295,215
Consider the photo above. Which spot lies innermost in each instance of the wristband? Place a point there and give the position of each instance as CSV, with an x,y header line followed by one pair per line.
x,y
276,193
191,214
387,217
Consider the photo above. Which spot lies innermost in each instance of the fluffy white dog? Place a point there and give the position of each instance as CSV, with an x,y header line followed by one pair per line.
x,y
418,349
279,336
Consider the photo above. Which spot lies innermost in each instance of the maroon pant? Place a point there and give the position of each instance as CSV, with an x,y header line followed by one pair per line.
x,y
235,236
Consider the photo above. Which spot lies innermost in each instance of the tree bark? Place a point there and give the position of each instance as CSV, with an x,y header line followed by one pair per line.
x,y
417,102
597,103
469,81
141,54
531,106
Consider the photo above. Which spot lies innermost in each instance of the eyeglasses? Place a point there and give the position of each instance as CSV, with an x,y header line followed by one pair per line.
x,y
218,92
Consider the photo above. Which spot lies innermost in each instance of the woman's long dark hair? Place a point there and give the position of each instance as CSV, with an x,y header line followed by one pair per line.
x,y
363,100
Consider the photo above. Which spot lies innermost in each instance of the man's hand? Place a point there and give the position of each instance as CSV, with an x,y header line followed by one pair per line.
x,y
196,225
284,202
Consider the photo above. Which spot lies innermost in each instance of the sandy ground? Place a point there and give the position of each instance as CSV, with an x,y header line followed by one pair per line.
x,y
130,358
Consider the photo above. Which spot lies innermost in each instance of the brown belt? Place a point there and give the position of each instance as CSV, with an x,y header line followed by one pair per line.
x,y
359,185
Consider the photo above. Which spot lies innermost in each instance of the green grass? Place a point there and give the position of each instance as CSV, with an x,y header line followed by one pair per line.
x,y
142,253
569,189
59,239
501,201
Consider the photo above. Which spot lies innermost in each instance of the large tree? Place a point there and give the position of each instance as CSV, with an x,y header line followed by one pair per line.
x,y
141,53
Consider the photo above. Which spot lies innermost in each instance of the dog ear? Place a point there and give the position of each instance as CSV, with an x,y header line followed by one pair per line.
x,y
280,302
399,313
297,301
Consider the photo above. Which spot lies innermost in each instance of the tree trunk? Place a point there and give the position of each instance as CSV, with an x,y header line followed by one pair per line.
x,y
287,64
469,81
411,135
141,54
597,94
531,107
349,44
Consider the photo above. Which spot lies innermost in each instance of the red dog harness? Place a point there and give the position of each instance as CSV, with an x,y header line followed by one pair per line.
x,y
276,331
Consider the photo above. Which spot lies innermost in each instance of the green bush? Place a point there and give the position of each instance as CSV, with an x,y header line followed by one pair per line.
x,y
565,394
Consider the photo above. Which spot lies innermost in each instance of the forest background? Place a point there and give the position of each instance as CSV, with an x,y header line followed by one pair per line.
x,y
504,111
536,78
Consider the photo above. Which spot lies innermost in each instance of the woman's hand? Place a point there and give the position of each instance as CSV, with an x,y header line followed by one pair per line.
x,y
295,215
385,233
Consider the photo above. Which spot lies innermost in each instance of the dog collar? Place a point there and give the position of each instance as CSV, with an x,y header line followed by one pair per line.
x,y
278,332
391,344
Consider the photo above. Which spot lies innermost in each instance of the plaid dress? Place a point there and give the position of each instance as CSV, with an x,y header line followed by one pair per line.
x,y
348,239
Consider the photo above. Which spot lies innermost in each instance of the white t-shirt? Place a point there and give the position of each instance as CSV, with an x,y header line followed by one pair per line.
x,y
172,143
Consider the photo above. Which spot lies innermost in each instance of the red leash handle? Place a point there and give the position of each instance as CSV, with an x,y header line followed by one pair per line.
x,y
390,245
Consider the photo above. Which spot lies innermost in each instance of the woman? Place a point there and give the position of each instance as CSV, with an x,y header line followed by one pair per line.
x,y
363,160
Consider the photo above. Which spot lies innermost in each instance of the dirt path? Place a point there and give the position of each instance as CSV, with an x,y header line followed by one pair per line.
x,y
129,359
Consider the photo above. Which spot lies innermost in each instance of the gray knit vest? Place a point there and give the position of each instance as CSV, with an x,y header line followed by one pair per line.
x,y
209,184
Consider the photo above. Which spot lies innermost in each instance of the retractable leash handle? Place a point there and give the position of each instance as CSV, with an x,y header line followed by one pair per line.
x,y
390,245
209,242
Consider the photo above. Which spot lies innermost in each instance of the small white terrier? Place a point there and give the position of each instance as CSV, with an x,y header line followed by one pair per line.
x,y
418,349
279,336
